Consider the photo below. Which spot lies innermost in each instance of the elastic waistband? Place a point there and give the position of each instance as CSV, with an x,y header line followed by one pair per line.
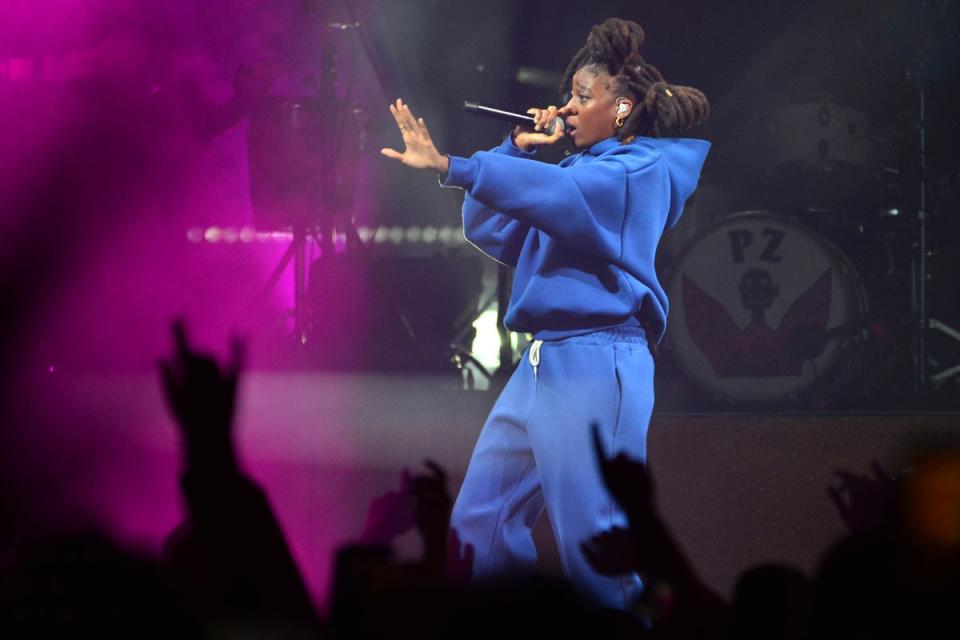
x,y
635,335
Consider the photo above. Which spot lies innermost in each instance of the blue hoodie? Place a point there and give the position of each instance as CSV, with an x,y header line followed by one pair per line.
x,y
582,234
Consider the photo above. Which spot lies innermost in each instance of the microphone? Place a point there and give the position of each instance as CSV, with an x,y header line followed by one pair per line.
x,y
521,119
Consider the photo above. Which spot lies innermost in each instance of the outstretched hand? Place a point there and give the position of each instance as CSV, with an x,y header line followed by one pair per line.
x,y
420,152
201,395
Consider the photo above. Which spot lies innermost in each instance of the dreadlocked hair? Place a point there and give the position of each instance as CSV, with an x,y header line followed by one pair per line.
x,y
614,47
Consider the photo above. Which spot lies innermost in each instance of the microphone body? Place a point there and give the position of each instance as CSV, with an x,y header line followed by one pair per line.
x,y
520,119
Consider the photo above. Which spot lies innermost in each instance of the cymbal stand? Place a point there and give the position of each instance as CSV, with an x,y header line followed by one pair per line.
x,y
297,251
461,354
325,229
925,380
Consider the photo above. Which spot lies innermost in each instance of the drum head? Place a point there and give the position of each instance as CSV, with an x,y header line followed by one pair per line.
x,y
759,305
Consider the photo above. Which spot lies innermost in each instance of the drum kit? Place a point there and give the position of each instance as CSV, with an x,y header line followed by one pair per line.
x,y
355,306
817,299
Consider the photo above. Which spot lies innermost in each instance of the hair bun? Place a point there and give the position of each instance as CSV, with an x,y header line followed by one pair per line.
x,y
656,89
676,107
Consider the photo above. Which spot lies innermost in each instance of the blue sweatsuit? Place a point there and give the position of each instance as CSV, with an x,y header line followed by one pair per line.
x,y
582,235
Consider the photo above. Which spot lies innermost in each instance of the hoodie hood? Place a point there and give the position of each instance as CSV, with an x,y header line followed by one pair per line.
x,y
685,158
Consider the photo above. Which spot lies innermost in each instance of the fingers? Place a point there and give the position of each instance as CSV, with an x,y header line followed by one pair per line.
x,y
426,486
180,341
396,112
238,357
543,119
437,470
598,449
589,552
420,152
168,380
880,473
603,462
422,127
838,502
598,558
404,117
536,117
549,116
392,153
408,125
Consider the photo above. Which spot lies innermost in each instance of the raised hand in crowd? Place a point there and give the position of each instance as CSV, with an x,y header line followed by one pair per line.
x,y
459,565
389,515
642,549
201,394
230,555
627,480
673,589
866,503
612,552
432,514
422,501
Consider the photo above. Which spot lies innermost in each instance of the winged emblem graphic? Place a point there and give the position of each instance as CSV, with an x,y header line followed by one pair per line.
x,y
757,350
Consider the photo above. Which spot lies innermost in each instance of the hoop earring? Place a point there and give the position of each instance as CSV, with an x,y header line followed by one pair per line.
x,y
618,122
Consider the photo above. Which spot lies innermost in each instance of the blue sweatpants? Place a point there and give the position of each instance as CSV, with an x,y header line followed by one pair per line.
x,y
536,451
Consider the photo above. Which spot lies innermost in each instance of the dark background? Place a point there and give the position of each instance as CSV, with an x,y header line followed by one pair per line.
x,y
752,59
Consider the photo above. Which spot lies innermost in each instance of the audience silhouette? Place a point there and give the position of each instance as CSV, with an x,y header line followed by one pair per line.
x,y
227,570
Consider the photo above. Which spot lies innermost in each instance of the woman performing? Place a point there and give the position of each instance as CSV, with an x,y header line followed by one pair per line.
x,y
582,236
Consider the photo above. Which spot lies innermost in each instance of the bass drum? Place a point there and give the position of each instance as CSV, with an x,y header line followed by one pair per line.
x,y
764,311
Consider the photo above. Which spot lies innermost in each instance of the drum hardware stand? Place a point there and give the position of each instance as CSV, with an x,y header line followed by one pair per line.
x,y
461,358
939,378
461,355
303,234
297,251
924,380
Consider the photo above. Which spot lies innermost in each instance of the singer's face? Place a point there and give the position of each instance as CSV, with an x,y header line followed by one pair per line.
x,y
591,114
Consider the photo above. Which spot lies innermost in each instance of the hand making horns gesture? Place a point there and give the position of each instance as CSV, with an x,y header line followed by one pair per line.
x,y
420,152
